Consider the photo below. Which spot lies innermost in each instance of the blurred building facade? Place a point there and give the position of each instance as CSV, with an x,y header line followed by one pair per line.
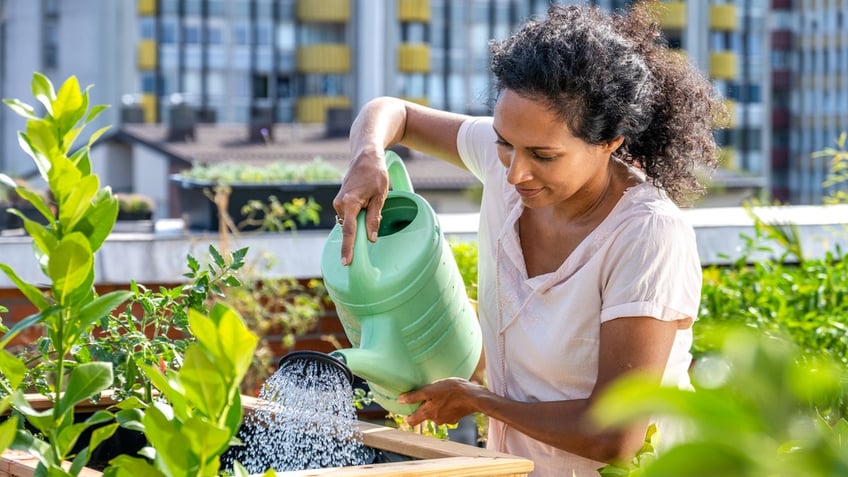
x,y
780,64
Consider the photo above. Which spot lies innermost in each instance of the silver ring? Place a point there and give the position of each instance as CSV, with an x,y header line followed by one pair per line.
x,y
340,220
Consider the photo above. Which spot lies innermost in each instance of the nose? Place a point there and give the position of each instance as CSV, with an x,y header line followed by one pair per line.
x,y
518,170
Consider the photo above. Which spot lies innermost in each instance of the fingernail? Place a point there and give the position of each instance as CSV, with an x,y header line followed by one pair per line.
x,y
373,236
345,261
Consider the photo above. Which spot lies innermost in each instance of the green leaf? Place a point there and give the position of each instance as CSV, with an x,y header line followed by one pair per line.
x,y
42,138
101,306
13,369
70,265
81,294
635,397
37,201
203,383
85,381
27,322
172,449
69,106
703,459
99,220
75,205
217,257
126,466
41,161
79,461
42,421
100,434
224,335
44,239
8,429
68,437
95,112
21,109
96,135
207,441
33,294
43,91
171,389
131,418
7,181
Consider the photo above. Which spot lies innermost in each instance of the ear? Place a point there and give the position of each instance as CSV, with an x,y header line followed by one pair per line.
x,y
613,145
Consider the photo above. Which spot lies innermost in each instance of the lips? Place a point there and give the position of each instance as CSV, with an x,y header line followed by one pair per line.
x,y
527,193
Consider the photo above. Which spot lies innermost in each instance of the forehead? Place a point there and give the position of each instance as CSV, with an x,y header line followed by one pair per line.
x,y
528,119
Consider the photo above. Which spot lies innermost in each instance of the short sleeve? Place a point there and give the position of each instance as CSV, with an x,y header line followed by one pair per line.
x,y
475,142
652,269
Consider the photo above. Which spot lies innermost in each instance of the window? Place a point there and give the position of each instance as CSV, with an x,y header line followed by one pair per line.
x,y
169,31
284,87
260,86
214,35
191,34
51,43
263,34
147,28
285,36
241,33
148,82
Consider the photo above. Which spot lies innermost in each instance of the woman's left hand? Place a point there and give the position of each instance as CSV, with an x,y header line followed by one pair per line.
x,y
445,401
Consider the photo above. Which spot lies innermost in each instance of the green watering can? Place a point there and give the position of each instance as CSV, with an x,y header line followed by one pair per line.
x,y
401,301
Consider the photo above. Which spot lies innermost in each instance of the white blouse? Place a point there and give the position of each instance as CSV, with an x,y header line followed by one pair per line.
x,y
541,334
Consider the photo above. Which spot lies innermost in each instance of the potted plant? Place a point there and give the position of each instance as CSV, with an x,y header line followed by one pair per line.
x,y
135,213
134,206
297,195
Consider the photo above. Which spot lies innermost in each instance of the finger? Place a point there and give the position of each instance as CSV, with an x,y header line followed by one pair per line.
x,y
415,418
373,216
349,213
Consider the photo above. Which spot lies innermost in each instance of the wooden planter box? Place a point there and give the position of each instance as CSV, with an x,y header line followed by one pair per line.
x,y
431,456
200,213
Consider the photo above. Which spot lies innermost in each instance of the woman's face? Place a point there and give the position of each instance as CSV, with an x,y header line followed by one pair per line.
x,y
545,162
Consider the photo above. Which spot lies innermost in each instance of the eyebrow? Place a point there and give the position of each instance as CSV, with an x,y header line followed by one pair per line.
x,y
529,148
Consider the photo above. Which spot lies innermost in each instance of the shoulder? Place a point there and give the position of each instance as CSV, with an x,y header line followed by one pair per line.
x,y
646,211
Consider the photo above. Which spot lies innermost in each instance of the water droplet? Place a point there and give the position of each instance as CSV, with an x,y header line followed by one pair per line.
x,y
307,421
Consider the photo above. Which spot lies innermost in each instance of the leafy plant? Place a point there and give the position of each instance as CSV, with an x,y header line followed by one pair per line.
x,y
154,328
65,248
838,173
134,203
762,406
224,173
275,308
203,412
804,302
276,216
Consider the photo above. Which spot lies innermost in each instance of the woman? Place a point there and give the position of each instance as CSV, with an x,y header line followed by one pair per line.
x,y
587,269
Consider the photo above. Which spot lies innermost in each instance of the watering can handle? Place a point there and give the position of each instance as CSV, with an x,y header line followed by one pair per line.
x,y
398,176
361,266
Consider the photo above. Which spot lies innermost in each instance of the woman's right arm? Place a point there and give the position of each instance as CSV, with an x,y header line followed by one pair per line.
x,y
382,123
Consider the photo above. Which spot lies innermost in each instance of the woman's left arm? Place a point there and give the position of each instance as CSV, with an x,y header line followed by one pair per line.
x,y
627,344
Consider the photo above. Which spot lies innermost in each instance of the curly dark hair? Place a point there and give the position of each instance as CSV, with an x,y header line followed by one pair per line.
x,y
611,75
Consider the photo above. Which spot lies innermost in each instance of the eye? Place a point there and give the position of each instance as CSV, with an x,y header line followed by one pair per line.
x,y
543,158
502,143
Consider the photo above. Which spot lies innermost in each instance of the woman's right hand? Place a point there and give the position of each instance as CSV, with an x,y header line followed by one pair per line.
x,y
381,123
365,186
